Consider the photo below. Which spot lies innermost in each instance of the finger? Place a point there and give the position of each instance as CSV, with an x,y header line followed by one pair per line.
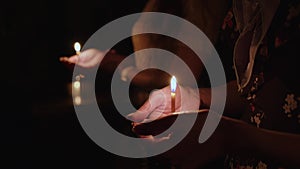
x,y
154,107
145,107
63,59
143,112
140,114
153,139
156,99
135,124
73,59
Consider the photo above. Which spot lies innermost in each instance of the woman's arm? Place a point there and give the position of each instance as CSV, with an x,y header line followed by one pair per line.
x,y
235,105
231,136
268,144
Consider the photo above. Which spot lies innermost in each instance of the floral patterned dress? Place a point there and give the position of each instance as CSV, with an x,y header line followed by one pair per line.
x,y
273,91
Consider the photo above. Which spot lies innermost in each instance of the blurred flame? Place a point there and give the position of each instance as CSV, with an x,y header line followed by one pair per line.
x,y
77,100
173,84
76,85
77,47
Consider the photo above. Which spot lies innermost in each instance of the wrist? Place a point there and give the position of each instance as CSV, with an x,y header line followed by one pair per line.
x,y
190,98
205,98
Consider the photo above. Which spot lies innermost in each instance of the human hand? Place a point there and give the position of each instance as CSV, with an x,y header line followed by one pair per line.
x,y
202,153
159,104
87,59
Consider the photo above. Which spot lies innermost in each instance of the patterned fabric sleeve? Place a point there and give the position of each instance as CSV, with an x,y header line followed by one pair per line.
x,y
273,96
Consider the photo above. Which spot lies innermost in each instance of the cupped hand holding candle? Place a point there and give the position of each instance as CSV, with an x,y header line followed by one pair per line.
x,y
159,103
87,58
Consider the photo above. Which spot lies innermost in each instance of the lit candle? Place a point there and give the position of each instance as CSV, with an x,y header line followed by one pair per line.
x,y
76,90
173,91
77,47
77,100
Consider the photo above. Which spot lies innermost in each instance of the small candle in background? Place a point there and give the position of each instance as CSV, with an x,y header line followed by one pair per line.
x,y
77,47
76,85
173,91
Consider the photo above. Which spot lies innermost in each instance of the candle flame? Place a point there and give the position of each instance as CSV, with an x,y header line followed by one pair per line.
x,y
77,47
77,100
76,85
173,84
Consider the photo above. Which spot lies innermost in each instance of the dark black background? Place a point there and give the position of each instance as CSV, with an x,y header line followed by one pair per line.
x,y
39,128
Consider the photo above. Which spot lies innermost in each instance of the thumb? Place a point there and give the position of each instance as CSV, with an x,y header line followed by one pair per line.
x,y
155,103
73,59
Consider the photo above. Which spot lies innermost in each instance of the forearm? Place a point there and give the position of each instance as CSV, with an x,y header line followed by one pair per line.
x,y
278,146
235,105
243,138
